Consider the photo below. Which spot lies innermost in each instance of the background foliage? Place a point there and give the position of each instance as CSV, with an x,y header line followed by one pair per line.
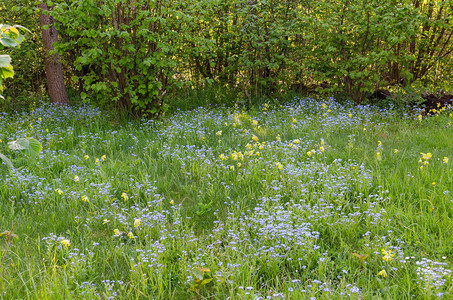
x,y
137,54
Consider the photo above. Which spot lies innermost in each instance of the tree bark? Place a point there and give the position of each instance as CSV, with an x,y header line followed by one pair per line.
x,y
54,70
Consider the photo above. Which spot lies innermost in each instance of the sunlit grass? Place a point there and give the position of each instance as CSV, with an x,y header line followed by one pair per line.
x,y
309,199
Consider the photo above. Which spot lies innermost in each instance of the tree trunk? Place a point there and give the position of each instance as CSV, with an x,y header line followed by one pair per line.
x,y
54,69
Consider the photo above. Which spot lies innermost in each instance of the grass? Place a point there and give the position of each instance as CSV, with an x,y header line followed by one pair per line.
x,y
307,199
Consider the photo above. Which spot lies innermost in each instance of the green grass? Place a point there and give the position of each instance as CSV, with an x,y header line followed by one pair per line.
x,y
278,201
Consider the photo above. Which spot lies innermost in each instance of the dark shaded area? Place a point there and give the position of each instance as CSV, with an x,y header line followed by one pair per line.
x,y
379,95
436,101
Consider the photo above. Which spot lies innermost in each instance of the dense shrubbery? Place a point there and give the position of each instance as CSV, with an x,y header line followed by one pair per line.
x,y
136,54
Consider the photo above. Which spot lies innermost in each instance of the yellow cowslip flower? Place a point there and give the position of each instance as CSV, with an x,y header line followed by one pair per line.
x,y
76,178
395,150
105,221
278,138
59,191
172,202
420,117
232,168
130,235
241,156
65,243
124,196
234,156
116,232
296,141
379,143
239,165
434,183
378,155
222,156
294,120
257,154
85,198
255,122
248,146
103,157
255,138
322,141
350,115
219,133
279,165
445,160
383,273
137,222
321,149
86,157
387,255
324,105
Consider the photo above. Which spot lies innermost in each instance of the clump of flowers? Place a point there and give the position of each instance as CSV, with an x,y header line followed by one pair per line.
x,y
124,196
388,255
65,242
424,159
383,273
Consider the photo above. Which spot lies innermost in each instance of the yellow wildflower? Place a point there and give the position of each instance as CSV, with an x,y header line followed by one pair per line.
x,y
85,198
218,133
130,235
105,221
76,178
59,191
255,138
383,273
445,160
137,222
116,232
279,165
387,255
124,196
86,157
65,243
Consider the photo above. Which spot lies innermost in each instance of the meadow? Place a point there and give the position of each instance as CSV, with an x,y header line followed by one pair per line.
x,y
306,200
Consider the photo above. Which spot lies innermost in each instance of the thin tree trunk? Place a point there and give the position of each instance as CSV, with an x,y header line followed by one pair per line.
x,y
54,69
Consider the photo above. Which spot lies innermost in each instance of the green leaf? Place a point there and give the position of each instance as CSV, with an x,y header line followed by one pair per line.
x,y
5,61
7,161
198,273
6,72
8,42
31,146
